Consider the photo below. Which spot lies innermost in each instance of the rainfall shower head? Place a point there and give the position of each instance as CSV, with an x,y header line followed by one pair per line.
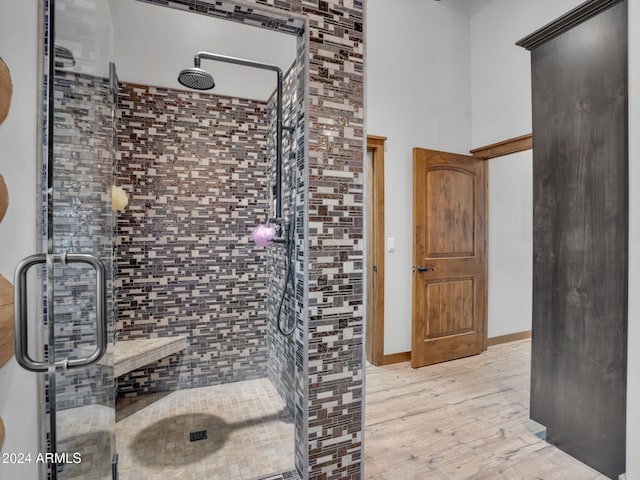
x,y
63,57
196,77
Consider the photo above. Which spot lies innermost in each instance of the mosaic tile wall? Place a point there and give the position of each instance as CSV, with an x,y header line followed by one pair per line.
x,y
82,224
291,475
281,349
236,12
332,257
194,165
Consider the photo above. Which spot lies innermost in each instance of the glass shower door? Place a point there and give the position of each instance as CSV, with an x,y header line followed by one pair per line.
x,y
79,234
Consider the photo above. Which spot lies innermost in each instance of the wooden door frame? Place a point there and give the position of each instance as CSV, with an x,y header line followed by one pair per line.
x,y
487,152
375,346
503,148
495,150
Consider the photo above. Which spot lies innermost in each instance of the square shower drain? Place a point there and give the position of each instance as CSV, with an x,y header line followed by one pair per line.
x,y
195,436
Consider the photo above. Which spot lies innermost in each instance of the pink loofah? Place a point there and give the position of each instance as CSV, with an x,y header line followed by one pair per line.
x,y
262,235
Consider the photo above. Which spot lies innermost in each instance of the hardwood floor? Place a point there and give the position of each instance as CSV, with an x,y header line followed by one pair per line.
x,y
465,419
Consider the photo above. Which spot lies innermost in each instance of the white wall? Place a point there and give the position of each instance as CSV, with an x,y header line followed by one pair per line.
x,y
501,71
152,45
633,359
510,243
501,109
418,95
19,27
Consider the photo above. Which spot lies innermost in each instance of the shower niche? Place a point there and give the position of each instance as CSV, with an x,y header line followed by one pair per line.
x,y
206,325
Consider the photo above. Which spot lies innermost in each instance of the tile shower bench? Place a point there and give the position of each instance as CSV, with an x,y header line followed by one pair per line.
x,y
129,355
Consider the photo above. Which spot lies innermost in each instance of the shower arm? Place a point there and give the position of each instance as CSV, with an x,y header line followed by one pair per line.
x,y
279,127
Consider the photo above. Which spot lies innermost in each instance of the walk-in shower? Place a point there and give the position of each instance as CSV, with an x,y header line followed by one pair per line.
x,y
199,79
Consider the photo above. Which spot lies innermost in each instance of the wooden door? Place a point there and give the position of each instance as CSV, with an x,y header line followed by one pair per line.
x,y
449,252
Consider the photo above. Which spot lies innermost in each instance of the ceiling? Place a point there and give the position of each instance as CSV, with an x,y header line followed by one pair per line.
x,y
153,43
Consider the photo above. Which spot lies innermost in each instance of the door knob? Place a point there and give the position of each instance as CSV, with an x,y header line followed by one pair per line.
x,y
423,269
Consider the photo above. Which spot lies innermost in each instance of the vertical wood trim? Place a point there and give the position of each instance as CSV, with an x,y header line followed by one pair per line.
x,y
368,261
375,351
417,327
486,258
495,150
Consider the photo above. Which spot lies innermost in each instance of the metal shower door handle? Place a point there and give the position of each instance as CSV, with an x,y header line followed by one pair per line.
x,y
21,320
20,317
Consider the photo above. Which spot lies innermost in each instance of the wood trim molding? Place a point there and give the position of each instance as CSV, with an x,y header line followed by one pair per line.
x,y
375,337
396,358
506,147
512,337
566,22
485,333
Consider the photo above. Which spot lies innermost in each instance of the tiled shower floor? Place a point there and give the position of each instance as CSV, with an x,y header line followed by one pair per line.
x,y
249,433
86,430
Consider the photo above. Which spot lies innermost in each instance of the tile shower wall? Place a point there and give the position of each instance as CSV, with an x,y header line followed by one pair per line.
x,y
329,257
194,165
329,444
281,349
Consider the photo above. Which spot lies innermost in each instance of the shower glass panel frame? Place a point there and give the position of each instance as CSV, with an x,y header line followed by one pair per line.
x,y
77,406
77,403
